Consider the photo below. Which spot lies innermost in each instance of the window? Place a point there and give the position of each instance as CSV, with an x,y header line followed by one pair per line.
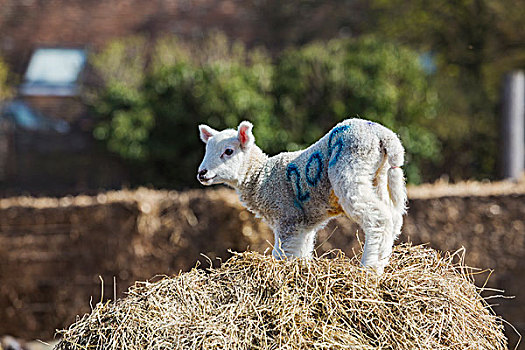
x,y
54,71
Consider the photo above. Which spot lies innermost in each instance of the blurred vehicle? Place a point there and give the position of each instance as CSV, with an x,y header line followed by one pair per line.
x,y
21,116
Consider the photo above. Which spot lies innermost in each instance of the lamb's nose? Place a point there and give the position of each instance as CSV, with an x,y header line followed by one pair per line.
x,y
202,173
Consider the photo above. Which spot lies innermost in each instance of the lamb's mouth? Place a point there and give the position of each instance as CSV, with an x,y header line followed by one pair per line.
x,y
207,181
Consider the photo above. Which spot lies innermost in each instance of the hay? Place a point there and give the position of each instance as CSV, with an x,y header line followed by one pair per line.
x,y
425,300
469,188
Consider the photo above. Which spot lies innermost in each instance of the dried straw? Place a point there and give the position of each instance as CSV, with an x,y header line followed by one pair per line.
x,y
425,300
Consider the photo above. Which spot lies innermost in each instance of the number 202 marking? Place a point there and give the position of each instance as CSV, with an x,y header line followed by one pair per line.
x,y
311,179
317,158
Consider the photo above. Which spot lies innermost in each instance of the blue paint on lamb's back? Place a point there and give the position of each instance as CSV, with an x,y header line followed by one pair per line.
x,y
336,143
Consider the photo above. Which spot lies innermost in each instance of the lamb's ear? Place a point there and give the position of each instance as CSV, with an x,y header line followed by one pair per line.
x,y
206,132
245,135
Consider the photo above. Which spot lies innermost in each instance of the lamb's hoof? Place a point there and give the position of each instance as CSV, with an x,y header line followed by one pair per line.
x,y
375,270
379,270
278,254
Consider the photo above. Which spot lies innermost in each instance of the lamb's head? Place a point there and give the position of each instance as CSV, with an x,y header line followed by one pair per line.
x,y
225,153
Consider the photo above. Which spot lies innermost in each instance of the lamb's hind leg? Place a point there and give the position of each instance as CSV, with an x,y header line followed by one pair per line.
x,y
353,185
380,183
388,243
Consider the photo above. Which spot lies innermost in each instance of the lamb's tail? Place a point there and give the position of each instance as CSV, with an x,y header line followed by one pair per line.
x,y
396,181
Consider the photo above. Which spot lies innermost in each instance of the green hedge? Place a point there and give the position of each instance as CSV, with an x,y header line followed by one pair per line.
x,y
5,89
148,113
323,83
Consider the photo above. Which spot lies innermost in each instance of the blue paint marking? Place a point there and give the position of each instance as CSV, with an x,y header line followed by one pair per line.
x,y
314,172
312,181
298,204
290,170
337,145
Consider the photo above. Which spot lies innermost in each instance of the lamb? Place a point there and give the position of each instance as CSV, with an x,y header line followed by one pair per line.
x,y
354,170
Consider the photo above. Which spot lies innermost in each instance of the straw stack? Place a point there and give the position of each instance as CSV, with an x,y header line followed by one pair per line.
x,y
425,300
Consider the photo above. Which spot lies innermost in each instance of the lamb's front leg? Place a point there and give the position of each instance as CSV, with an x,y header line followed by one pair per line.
x,y
293,243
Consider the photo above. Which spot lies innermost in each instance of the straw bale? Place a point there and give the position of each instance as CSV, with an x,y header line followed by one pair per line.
x,y
442,188
424,300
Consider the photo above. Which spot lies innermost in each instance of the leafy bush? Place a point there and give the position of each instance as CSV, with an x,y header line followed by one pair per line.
x,y
472,44
126,119
323,83
153,120
149,114
220,93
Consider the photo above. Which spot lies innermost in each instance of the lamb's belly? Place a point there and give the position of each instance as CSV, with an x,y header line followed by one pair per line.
x,y
322,206
308,186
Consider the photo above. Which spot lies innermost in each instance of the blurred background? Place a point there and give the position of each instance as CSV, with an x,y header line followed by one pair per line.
x,y
112,91
104,95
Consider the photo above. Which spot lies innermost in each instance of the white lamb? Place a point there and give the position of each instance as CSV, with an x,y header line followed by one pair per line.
x,y
353,170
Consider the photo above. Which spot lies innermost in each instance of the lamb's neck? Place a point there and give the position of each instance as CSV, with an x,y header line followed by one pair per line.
x,y
251,172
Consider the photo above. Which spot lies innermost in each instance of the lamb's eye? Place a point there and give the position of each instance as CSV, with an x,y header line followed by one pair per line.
x,y
228,151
